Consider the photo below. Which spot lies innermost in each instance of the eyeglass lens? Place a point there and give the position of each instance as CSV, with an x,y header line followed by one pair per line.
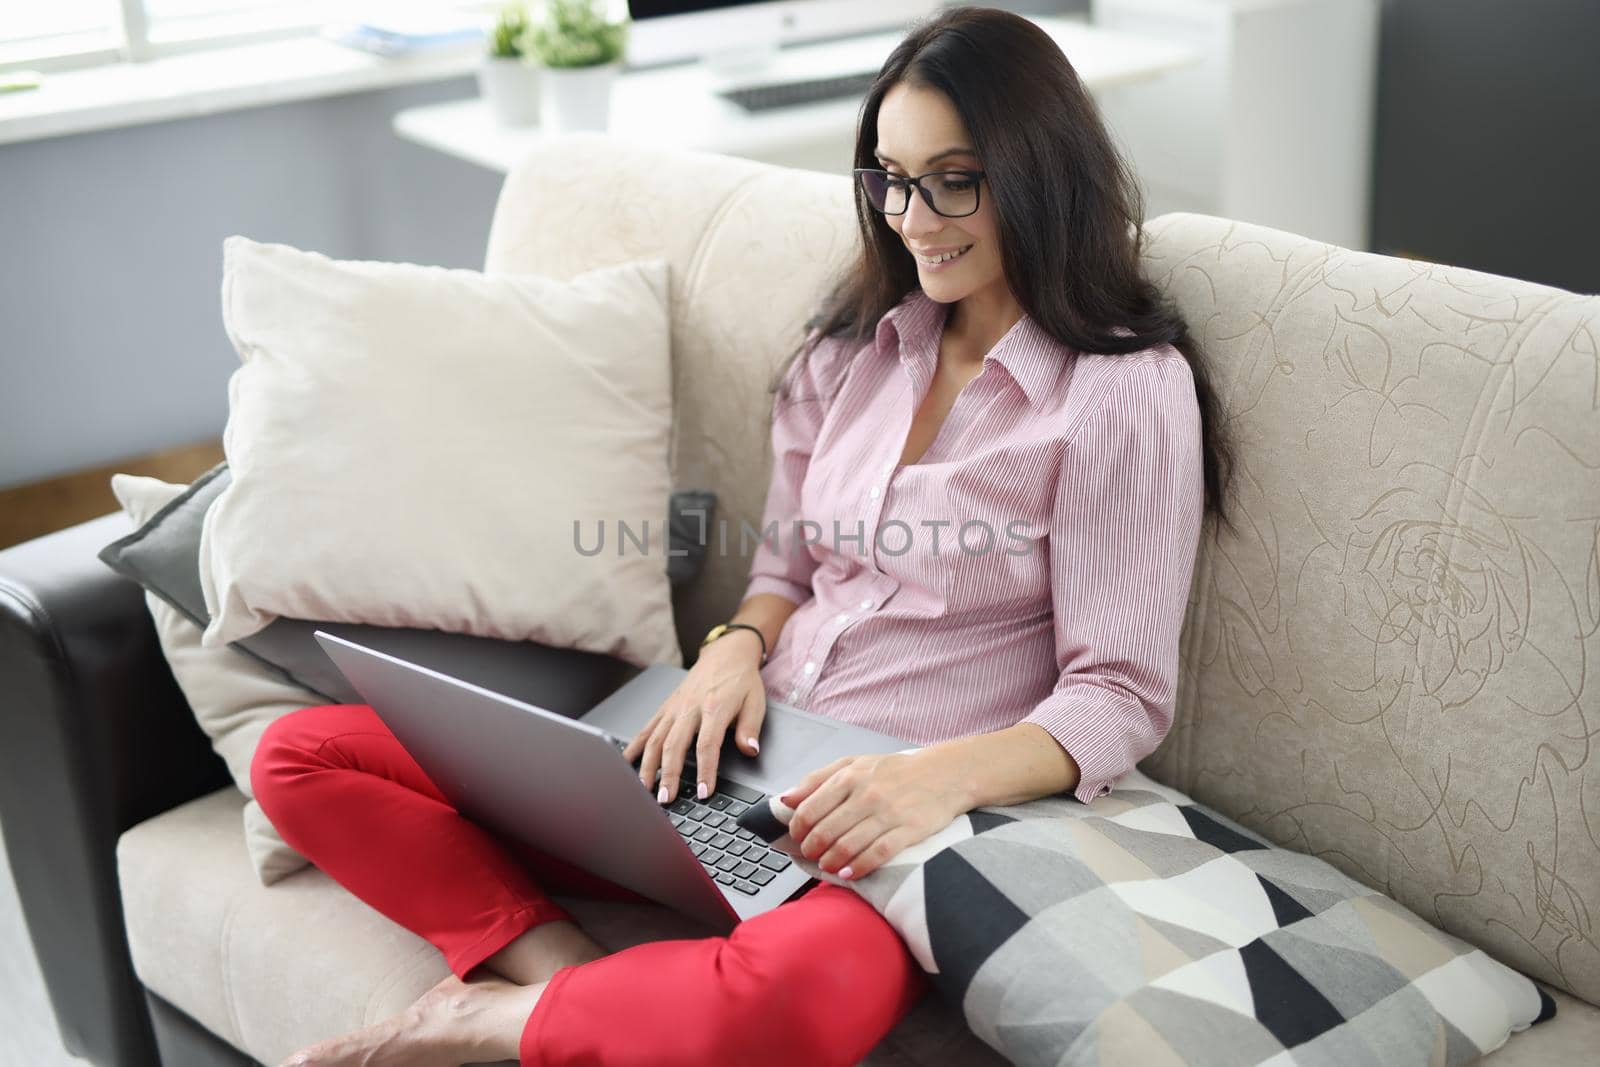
x,y
953,194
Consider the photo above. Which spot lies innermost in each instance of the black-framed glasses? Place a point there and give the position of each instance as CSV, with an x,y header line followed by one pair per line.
x,y
953,194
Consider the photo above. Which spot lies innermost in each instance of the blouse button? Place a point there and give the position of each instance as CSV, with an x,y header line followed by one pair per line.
x,y
865,604
810,668
793,693
844,616
874,493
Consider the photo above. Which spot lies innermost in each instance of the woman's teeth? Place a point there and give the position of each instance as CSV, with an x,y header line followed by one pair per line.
x,y
935,260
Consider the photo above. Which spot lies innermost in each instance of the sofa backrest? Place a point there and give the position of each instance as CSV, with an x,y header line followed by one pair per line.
x,y
1395,663
1386,664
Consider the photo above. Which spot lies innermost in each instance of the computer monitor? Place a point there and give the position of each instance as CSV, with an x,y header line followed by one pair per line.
x,y
740,35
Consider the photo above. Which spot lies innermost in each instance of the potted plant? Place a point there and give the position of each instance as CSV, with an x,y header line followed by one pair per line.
x,y
580,52
506,79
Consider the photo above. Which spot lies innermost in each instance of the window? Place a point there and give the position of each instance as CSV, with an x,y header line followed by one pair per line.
x,y
69,33
31,29
171,21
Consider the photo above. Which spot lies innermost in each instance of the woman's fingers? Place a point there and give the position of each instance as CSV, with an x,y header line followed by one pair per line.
x,y
636,746
752,713
650,761
849,845
708,745
649,740
698,713
831,790
679,734
880,850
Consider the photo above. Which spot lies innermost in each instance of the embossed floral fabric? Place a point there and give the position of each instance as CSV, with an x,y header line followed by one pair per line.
x,y
1392,664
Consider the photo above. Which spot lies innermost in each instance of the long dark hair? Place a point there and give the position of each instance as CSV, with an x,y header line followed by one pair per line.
x,y
1069,207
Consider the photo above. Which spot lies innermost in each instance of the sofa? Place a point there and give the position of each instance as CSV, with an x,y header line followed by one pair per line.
x,y
1383,662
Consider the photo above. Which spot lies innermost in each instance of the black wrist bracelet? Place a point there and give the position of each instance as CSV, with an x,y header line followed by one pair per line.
x,y
759,637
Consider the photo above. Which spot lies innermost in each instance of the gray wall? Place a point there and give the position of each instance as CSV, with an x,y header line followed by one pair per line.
x,y
111,339
1488,150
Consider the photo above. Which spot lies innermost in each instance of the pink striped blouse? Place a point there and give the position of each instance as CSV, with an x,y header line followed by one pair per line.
x,y
1032,566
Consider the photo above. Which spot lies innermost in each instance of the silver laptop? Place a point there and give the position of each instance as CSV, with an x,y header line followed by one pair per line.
x,y
563,786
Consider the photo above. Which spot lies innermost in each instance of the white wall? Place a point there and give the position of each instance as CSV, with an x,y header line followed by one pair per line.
x,y
111,340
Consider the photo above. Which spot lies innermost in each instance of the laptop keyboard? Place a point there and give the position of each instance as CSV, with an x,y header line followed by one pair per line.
x,y
731,854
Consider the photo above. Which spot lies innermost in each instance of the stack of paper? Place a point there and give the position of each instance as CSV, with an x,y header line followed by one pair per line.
x,y
407,33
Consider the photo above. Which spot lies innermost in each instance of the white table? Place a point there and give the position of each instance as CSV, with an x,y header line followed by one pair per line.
x,y
677,104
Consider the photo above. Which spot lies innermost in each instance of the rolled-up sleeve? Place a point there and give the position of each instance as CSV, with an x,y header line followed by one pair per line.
x,y
781,564
1124,529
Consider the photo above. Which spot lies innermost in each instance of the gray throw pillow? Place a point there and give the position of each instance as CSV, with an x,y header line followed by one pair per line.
x,y
162,556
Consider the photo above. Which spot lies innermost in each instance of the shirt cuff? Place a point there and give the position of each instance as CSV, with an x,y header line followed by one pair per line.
x,y
766,583
1091,722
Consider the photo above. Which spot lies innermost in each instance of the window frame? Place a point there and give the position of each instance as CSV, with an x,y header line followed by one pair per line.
x,y
130,40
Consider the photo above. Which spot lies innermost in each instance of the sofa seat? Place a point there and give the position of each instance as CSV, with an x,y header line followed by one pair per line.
x,y
270,970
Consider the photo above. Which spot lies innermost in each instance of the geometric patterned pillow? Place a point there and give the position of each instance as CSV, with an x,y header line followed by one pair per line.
x,y
1147,929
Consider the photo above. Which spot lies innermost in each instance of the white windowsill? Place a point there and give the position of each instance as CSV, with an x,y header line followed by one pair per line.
x,y
206,82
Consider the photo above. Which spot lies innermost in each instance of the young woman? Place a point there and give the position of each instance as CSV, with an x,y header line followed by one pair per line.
x,y
994,450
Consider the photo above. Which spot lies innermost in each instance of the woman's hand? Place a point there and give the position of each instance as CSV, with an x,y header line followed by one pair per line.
x,y
724,686
859,811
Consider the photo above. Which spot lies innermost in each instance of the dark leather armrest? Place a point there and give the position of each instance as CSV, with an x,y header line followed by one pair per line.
x,y
95,736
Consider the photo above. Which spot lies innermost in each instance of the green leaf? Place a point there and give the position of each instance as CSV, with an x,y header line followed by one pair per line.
x,y
575,33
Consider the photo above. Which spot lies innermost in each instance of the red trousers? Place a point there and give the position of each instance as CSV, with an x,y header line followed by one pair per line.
x,y
816,981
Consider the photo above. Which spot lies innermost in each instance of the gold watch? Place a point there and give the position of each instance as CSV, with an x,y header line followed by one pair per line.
x,y
724,627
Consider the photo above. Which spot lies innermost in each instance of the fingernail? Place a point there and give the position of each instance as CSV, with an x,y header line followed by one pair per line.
x,y
700,790
661,794
845,872
755,746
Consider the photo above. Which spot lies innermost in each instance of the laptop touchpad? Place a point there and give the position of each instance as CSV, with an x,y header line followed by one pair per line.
x,y
793,735
788,743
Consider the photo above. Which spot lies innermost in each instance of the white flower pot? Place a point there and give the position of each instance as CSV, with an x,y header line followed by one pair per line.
x,y
511,86
577,98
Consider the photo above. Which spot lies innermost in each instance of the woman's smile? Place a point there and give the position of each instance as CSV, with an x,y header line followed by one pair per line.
x,y
941,261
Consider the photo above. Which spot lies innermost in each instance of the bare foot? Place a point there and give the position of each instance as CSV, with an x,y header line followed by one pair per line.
x,y
476,1021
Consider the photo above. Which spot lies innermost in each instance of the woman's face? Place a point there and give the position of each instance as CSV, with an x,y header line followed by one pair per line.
x,y
916,129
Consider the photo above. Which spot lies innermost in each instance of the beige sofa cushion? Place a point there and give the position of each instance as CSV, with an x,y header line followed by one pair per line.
x,y
440,449
1392,664
270,970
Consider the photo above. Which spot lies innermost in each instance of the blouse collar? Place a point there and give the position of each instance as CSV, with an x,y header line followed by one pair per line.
x,y
912,329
